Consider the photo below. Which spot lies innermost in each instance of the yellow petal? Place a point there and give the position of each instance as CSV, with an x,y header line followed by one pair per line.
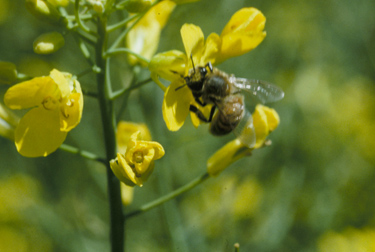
x,y
61,81
243,32
273,118
260,126
211,49
176,105
38,133
169,65
225,156
245,20
71,112
31,93
193,39
126,129
157,147
144,37
119,169
127,193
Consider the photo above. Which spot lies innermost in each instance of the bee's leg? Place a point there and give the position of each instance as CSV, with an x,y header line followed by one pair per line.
x,y
200,102
199,114
212,113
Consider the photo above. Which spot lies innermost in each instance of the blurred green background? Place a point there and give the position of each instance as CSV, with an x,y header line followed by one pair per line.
x,y
311,190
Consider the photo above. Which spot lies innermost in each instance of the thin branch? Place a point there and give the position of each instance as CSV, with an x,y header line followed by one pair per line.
x,y
169,196
79,21
121,92
114,27
82,153
118,51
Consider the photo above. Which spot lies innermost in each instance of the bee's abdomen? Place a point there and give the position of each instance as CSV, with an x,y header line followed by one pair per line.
x,y
228,116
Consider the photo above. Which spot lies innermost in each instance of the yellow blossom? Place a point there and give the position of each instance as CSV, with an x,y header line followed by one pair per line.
x,y
56,104
136,165
143,38
242,33
48,43
265,120
124,132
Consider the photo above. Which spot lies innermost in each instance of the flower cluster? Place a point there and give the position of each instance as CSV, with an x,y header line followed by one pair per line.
x,y
243,32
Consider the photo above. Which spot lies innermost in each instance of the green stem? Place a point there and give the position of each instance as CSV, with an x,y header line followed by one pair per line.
x,y
78,19
82,153
122,23
121,92
237,247
117,51
109,124
169,196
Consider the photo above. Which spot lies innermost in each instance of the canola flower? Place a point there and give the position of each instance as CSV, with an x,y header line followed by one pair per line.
x,y
136,165
56,104
123,135
242,33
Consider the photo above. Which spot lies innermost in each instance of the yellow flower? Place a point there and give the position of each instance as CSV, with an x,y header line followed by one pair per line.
x,y
265,120
56,104
242,33
124,132
143,38
137,164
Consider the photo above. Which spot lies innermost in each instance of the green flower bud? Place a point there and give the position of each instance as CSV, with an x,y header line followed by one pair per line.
x,y
43,10
135,6
48,43
8,73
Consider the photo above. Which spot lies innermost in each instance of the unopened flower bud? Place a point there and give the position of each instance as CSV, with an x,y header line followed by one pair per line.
x,y
8,73
48,43
43,10
135,6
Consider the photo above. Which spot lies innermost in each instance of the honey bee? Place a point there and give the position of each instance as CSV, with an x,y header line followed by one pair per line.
x,y
209,85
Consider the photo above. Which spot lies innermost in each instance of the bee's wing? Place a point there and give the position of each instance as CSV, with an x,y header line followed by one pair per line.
x,y
264,91
245,130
